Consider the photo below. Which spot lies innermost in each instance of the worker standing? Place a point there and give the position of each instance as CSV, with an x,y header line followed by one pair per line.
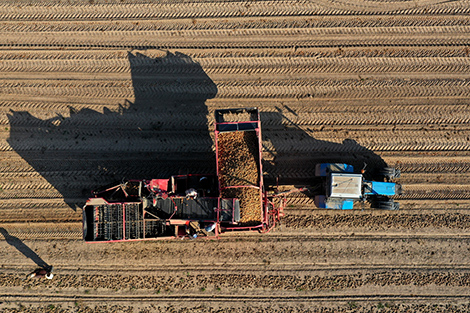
x,y
41,273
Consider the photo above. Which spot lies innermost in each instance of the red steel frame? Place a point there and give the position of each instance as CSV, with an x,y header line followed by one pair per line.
x,y
265,222
175,222
268,217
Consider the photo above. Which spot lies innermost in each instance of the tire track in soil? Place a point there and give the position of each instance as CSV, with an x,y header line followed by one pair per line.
x,y
328,52
36,215
236,24
212,10
305,114
230,298
49,230
283,267
275,89
384,220
319,278
443,36
250,66
260,267
303,119
438,142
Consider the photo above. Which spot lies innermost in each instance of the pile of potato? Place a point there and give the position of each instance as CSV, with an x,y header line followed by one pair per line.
x,y
239,166
250,205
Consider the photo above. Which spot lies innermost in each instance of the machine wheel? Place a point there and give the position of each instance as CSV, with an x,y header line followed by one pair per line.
x,y
388,205
385,204
390,173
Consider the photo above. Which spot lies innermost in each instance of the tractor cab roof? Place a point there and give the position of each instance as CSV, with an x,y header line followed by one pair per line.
x,y
345,185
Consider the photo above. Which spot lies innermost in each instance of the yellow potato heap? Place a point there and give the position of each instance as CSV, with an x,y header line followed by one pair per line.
x,y
250,206
238,166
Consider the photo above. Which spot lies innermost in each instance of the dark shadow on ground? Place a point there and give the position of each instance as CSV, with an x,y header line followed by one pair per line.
x,y
296,152
153,135
24,249
90,148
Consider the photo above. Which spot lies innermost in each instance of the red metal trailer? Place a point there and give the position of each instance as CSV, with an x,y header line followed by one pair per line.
x,y
191,206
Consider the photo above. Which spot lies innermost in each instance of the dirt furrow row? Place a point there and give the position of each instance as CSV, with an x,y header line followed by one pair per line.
x,y
27,204
329,305
200,143
380,51
439,194
35,215
450,116
444,116
47,193
219,9
71,122
368,84
457,177
76,166
270,111
163,144
298,38
349,88
245,66
249,281
408,201
168,84
43,230
320,125
259,267
388,6
235,23
452,32
295,108
436,167
258,303
378,220
320,142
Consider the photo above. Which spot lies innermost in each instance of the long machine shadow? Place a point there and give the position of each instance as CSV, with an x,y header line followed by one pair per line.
x,y
24,249
153,136
295,152
90,148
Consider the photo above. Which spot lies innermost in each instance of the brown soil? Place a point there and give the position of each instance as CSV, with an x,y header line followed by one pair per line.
x,y
95,91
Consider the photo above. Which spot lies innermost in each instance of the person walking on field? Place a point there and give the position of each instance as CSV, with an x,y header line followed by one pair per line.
x,y
41,273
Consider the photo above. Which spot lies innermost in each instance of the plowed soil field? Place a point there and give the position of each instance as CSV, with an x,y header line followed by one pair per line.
x,y
92,91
